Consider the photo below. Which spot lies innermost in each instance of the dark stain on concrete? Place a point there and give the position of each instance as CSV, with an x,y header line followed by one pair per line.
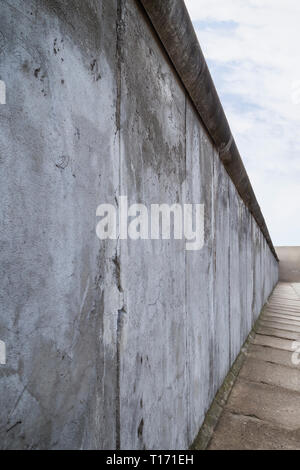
x,y
116,262
120,324
94,68
36,72
140,429
56,49
25,66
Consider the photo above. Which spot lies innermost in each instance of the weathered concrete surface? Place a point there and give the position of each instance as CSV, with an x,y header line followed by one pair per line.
x,y
262,411
59,160
289,265
111,344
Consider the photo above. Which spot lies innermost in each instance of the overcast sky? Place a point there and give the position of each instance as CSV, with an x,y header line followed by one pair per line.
x,y
252,50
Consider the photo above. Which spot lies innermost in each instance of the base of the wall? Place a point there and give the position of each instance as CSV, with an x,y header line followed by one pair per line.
x,y
214,413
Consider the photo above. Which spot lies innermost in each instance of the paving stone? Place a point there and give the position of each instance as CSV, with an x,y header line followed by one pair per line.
x,y
265,323
273,374
273,342
272,355
278,333
263,408
236,432
269,403
290,320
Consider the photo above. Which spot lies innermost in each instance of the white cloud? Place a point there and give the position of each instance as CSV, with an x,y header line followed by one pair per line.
x,y
252,50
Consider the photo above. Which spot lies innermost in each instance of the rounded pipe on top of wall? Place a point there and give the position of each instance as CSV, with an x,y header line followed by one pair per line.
x,y
173,25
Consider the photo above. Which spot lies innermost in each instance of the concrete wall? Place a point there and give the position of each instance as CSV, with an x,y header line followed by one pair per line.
x,y
111,344
289,263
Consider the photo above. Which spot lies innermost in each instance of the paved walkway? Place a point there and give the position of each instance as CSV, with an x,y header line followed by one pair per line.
x,y
263,409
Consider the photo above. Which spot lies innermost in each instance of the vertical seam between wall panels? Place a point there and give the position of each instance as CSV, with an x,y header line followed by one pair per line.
x,y
229,284
118,248
253,241
214,267
187,374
